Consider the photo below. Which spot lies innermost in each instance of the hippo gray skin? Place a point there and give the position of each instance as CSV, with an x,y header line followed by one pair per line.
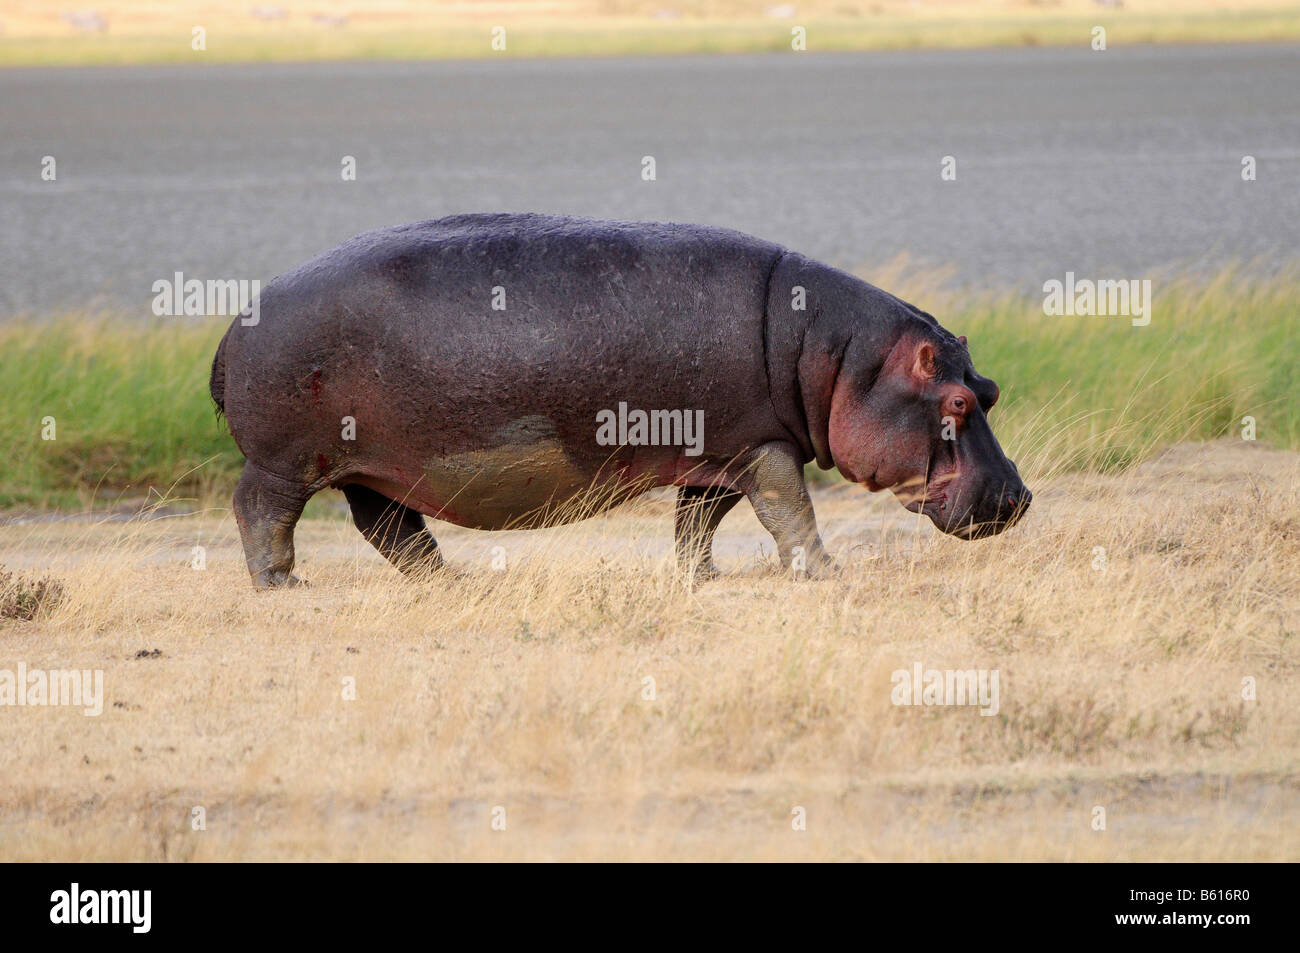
x,y
461,368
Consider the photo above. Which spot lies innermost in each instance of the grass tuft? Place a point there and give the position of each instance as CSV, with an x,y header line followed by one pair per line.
x,y
24,598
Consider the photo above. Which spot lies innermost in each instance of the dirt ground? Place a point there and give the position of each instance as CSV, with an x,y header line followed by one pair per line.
x,y
565,694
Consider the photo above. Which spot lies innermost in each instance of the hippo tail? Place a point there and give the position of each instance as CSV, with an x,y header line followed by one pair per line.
x,y
217,381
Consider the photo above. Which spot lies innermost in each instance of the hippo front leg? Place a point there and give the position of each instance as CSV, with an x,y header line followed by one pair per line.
x,y
777,491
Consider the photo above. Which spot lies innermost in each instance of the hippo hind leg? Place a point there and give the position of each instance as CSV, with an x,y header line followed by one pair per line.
x,y
396,530
699,511
267,508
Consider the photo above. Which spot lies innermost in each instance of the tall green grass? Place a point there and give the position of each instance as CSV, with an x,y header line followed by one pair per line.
x,y
132,412
1097,393
130,406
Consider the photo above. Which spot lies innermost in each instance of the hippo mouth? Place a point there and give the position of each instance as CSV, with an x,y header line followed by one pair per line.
x,y
965,527
973,530
930,499
936,509
927,505
926,497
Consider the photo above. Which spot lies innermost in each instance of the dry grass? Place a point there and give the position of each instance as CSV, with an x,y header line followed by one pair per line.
x,y
523,688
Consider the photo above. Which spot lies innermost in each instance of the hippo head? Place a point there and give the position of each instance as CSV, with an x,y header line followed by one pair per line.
x,y
918,425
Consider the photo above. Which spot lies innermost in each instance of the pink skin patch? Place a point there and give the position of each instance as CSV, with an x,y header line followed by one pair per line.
x,y
873,454
899,455
870,451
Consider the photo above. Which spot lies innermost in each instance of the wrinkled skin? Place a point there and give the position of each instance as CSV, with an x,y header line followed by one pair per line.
x,y
487,416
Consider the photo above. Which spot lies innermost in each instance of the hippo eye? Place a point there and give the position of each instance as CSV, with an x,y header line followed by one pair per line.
x,y
959,404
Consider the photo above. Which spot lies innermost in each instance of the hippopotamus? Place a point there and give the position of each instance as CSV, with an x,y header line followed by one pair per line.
x,y
520,370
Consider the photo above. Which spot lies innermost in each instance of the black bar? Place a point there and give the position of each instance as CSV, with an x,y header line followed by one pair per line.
x,y
955,903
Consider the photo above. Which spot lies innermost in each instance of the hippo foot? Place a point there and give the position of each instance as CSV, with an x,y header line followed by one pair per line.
x,y
822,567
277,579
437,572
703,572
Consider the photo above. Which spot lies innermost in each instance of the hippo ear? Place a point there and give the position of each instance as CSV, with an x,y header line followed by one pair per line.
x,y
924,368
962,339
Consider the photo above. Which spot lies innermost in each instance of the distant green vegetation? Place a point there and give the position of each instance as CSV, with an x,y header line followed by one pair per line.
x,y
573,36
1097,393
130,406
132,413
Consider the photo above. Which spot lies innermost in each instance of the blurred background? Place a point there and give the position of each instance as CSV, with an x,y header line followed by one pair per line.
x,y
1126,159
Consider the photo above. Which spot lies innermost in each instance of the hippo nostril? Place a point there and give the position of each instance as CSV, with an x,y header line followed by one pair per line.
x,y
1018,503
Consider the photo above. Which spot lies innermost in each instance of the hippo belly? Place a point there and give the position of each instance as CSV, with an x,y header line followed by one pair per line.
x,y
524,478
